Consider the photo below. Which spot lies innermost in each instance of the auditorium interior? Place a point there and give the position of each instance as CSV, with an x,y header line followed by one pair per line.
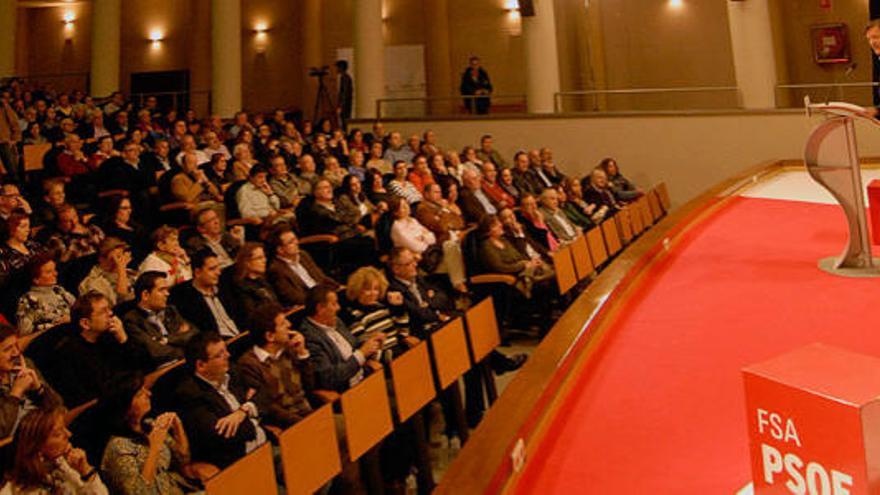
x,y
439,246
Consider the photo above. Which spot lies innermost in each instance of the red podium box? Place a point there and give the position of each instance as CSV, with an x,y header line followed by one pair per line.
x,y
814,422
874,210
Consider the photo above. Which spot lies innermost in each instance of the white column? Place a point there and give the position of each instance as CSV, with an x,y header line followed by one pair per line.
x,y
106,21
542,59
225,57
8,16
754,57
369,57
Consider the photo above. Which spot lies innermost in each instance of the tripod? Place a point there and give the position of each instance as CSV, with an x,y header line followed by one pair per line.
x,y
323,102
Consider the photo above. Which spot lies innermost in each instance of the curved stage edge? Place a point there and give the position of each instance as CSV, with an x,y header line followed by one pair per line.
x,y
526,409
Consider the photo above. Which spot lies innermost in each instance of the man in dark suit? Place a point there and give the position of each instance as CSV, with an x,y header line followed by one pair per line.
x,y
198,300
292,272
524,177
128,174
155,325
474,203
337,358
475,82
346,92
216,408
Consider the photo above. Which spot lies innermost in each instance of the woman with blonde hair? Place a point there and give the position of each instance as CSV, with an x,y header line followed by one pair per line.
x,y
370,308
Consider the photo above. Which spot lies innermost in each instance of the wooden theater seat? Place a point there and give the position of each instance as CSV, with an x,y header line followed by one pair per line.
x,y
450,352
482,329
638,225
612,236
597,246
310,452
654,205
253,473
624,223
367,413
412,380
644,210
663,196
580,254
563,264
33,156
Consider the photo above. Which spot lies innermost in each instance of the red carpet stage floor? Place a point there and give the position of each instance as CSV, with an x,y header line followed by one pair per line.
x,y
660,409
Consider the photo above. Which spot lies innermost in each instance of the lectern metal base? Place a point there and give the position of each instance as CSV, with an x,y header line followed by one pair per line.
x,y
828,265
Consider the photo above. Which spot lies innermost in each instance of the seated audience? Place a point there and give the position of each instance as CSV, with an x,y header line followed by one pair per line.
x,y
54,197
440,172
249,287
497,255
474,202
218,415
198,300
575,200
624,190
401,187
95,351
111,277
597,191
241,167
355,206
533,220
257,201
571,210
371,310
548,173
22,388
508,185
284,184
307,175
167,256
376,160
426,305
292,271
333,172
555,218
487,153
397,151
120,223
493,188
11,201
443,257
516,235
374,186
210,235
46,304
153,324
17,250
278,367
439,215
421,175
338,358
46,463
69,238
191,185
218,173
144,455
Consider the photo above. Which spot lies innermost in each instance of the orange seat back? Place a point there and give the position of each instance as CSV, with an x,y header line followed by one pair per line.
x,y
253,473
308,469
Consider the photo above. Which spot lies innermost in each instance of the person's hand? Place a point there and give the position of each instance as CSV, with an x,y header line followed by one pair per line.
x,y
298,344
382,206
372,345
227,426
117,330
395,298
444,317
25,381
121,259
237,231
160,429
76,458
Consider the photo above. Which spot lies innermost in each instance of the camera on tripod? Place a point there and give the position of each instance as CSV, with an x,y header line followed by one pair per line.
x,y
319,71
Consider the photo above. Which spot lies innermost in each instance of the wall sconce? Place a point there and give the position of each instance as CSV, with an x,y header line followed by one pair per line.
x,y
261,37
68,20
156,38
676,4
511,7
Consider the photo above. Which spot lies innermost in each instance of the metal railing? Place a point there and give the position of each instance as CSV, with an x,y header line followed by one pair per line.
x,y
450,106
792,95
640,99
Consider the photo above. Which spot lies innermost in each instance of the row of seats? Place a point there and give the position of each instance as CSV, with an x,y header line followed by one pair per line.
x,y
416,377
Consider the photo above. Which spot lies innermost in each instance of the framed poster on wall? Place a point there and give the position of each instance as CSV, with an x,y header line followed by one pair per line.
x,y
830,43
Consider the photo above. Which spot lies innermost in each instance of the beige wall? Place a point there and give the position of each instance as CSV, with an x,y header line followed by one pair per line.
x,y
795,19
689,152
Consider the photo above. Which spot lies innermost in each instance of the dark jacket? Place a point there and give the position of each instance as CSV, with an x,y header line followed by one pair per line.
x,y
190,303
147,335
422,317
332,372
471,208
289,287
200,406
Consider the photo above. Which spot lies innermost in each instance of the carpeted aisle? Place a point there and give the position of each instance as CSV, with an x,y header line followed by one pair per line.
x,y
661,409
